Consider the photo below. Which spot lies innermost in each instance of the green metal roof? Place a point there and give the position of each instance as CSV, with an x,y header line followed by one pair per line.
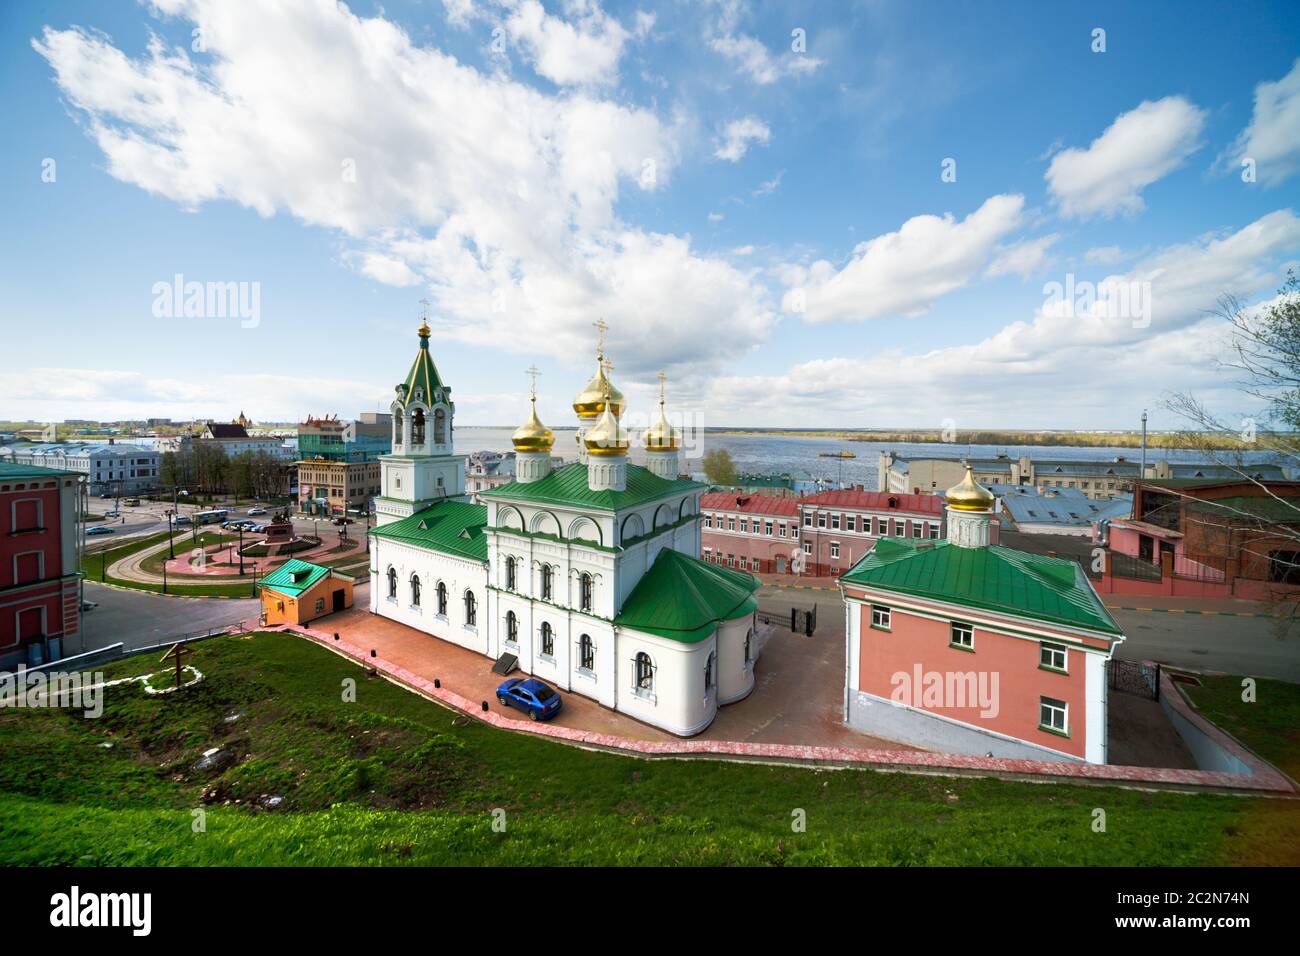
x,y
452,527
568,486
992,578
684,598
10,470
294,577
423,373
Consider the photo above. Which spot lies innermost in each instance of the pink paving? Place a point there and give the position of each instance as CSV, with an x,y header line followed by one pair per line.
x,y
652,743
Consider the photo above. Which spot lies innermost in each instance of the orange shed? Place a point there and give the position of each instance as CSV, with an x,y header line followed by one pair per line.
x,y
299,591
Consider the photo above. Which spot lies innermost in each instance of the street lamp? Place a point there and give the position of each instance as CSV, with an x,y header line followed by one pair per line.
x,y
241,550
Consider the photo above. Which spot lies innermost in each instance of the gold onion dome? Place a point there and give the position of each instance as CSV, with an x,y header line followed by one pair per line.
x,y
591,400
607,436
661,436
967,495
532,435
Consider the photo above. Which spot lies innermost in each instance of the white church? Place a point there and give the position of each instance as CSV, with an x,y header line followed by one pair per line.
x,y
587,575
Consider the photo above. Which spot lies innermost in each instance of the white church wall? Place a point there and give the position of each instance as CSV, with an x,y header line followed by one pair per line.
x,y
677,699
735,674
458,574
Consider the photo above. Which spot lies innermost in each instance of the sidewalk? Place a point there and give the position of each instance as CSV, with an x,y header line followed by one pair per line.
x,y
1188,605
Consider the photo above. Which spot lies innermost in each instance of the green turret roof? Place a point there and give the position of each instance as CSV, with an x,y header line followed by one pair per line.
x,y
568,486
993,578
423,374
452,527
294,577
684,598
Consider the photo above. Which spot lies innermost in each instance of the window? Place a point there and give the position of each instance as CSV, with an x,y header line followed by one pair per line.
x,y
512,627
1051,656
807,546
1052,715
731,524
767,528
584,588
392,583
880,616
821,520
794,531
850,523
643,672
749,639
548,582
744,526
780,530
417,427
708,521
708,673
934,531
320,605
753,564
548,640
471,609
586,653
835,522
442,599
961,635
835,549
916,529
440,426
512,574
807,520
415,590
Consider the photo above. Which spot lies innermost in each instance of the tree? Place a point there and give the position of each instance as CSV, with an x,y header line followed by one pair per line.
x,y
719,469
1263,351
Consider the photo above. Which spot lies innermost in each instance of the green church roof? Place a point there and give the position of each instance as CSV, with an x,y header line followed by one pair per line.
x,y
684,598
568,486
992,578
453,527
423,373
294,576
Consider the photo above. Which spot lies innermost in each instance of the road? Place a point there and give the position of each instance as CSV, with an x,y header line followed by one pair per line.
x,y
1201,642
140,619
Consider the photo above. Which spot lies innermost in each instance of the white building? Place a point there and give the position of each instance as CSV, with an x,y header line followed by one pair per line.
x,y
114,468
585,574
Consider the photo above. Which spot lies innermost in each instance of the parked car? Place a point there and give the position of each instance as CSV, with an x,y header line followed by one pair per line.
x,y
99,529
257,511
534,697
112,514
182,519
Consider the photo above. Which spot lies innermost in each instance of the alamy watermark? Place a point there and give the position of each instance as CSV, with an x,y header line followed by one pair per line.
x,y
179,299
933,690
37,689
1109,299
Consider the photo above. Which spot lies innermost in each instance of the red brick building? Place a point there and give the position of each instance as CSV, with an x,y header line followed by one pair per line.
x,y
825,533
40,587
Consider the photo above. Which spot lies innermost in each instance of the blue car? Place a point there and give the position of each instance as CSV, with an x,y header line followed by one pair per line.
x,y
538,700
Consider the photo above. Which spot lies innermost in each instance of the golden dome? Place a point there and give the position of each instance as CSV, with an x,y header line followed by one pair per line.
x,y
532,435
661,436
424,329
591,400
967,495
607,436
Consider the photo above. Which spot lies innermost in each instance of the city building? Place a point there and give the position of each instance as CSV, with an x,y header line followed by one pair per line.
x,y
585,576
40,585
1098,479
338,487
330,439
489,469
113,468
233,438
297,592
1213,530
1056,510
818,534
965,646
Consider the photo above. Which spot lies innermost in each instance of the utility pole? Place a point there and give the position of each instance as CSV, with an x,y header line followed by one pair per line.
x,y
1142,472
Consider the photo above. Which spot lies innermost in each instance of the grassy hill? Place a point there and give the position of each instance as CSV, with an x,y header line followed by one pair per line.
x,y
395,779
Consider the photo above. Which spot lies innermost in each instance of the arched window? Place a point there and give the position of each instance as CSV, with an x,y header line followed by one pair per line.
x,y
417,427
586,653
548,639
440,426
749,636
512,627
643,672
548,582
708,673
584,588
415,590
511,574
397,427
442,599
471,609
392,582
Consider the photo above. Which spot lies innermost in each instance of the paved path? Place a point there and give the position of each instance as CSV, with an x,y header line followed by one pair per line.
x,y
141,619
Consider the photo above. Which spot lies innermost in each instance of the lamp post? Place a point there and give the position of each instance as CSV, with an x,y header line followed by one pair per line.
x,y
241,550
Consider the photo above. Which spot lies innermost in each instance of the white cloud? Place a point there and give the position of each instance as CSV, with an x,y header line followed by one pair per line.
x,y
904,272
584,49
1140,147
1061,367
501,198
743,251
751,57
1272,139
1022,258
735,137
1105,255
716,217
769,186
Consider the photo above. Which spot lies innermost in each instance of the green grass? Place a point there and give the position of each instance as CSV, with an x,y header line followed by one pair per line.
x,y
1270,725
393,779
95,566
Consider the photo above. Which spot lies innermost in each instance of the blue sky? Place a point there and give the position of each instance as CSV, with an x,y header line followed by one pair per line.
x,y
770,226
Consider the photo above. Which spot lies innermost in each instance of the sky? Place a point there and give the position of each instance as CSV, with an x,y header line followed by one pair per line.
x,y
817,215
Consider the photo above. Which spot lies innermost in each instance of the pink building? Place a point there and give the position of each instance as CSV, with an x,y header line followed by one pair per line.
x,y
757,533
841,526
964,646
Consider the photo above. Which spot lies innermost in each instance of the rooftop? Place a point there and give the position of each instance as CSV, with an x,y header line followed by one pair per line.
x,y
568,486
294,576
452,527
994,578
9,471
876,501
683,598
750,504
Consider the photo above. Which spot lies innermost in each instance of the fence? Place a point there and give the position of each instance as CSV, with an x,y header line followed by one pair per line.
x,y
1134,677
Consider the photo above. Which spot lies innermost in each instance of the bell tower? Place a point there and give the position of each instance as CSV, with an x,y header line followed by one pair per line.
x,y
422,468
